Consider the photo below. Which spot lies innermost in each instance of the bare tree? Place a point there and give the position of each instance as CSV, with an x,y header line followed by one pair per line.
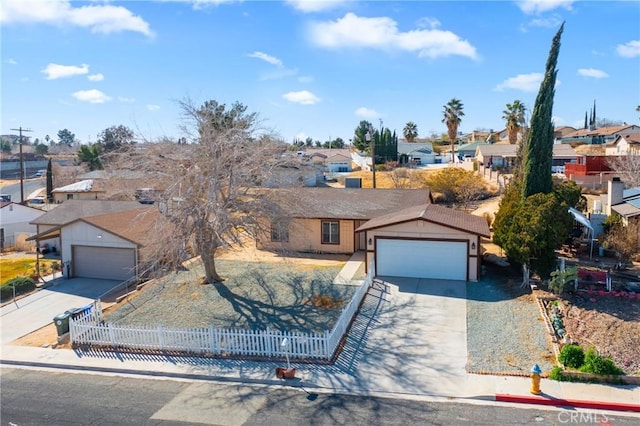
x,y
627,167
403,178
211,187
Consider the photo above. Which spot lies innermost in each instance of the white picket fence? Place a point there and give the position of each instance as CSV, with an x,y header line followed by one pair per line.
x,y
90,328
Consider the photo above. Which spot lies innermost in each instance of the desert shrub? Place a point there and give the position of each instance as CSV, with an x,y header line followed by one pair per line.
x,y
596,364
325,301
22,285
556,374
572,356
488,217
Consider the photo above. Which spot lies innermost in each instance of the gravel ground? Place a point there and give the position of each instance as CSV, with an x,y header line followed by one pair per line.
x,y
505,329
254,295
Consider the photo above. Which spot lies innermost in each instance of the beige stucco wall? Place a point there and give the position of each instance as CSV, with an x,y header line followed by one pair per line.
x,y
420,229
305,235
81,233
60,197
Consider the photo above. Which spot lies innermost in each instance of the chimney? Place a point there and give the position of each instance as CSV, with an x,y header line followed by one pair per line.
x,y
614,193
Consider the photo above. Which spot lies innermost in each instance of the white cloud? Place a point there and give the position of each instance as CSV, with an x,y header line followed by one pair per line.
x,y
266,57
540,6
101,18
305,79
369,113
279,73
12,61
152,107
525,82
126,100
592,72
95,77
382,33
54,71
550,22
92,96
427,22
303,97
310,6
201,4
629,50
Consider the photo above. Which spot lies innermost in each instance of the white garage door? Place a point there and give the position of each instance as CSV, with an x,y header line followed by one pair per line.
x,y
445,260
103,262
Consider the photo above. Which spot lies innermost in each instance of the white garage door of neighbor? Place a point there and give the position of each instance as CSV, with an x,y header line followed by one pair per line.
x,y
445,260
107,263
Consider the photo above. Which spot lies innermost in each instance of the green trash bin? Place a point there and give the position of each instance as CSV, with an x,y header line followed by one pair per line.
x,y
62,323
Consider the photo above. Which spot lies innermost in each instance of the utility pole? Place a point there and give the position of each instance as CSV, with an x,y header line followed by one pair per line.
x,y
20,129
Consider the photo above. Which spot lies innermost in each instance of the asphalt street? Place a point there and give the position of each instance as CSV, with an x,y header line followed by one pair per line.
x,y
37,397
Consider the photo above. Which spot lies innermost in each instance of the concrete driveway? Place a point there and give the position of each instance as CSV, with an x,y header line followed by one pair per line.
x,y
38,309
409,337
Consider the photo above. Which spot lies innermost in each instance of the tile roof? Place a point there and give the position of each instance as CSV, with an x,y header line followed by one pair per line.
x,y
435,214
347,203
602,131
72,210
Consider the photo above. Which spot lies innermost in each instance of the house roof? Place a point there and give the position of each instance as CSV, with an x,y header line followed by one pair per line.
x,y
435,214
348,203
602,131
472,146
631,138
133,225
631,193
626,209
72,210
509,150
339,157
407,147
4,204
82,186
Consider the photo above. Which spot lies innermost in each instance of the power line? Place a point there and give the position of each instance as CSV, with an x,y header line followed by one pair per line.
x,y
20,129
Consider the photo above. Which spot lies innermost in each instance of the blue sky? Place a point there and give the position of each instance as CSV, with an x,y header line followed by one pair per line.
x,y
310,68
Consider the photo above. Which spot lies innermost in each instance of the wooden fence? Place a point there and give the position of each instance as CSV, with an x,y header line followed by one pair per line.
x,y
89,328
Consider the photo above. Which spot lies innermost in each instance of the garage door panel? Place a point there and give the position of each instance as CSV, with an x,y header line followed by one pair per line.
x,y
422,259
103,262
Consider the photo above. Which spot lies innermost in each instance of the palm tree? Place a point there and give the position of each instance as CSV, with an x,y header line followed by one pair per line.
x,y
410,131
514,115
452,118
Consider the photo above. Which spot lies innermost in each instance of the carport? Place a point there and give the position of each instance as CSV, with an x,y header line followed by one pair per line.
x,y
426,241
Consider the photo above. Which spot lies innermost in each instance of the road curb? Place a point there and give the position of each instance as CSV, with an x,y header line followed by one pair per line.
x,y
561,402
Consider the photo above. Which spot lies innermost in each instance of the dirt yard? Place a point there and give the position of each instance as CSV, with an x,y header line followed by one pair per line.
x,y
610,324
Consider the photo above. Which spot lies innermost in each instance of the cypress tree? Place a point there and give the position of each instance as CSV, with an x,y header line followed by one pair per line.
x,y
585,119
49,182
594,113
539,146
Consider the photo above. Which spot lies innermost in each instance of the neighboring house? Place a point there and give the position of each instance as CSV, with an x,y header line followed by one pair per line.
x,y
338,163
562,131
426,241
416,153
469,150
15,224
601,135
83,190
625,202
624,144
504,155
302,174
98,239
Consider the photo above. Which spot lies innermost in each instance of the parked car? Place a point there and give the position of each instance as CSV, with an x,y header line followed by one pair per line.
x,y
39,174
38,202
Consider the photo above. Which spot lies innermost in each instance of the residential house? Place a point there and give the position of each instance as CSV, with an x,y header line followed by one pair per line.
x,y
15,224
624,202
416,153
469,150
562,131
82,190
601,135
504,155
624,144
388,224
99,239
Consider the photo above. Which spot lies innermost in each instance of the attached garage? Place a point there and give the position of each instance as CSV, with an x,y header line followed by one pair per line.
x,y
109,263
445,260
426,241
